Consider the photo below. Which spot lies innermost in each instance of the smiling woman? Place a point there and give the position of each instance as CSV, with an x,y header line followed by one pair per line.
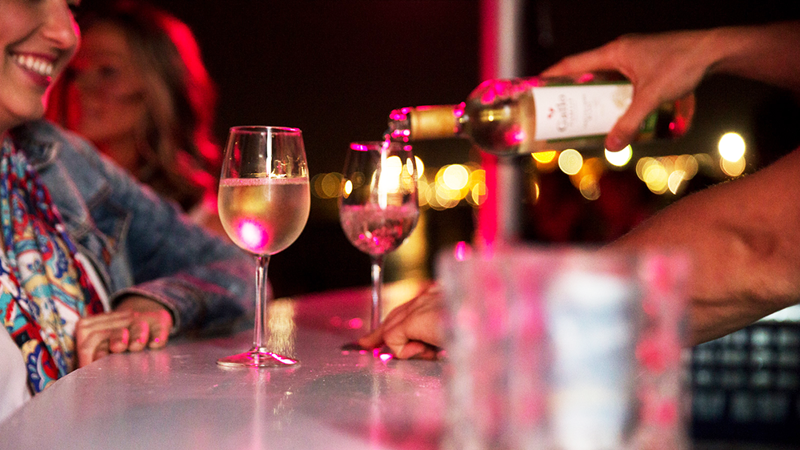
x,y
38,39
90,262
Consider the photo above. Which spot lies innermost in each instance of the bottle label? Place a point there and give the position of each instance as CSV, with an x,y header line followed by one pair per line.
x,y
564,112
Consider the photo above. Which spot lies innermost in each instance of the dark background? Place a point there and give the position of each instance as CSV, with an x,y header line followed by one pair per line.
x,y
335,68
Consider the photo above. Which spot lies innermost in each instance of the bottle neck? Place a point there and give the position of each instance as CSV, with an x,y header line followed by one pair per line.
x,y
425,122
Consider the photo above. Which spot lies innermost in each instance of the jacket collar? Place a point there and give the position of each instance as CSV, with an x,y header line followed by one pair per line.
x,y
38,142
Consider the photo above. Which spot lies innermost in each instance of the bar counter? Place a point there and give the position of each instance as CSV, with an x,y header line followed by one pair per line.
x,y
179,398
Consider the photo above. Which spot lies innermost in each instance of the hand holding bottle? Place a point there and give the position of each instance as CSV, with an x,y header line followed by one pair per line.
x,y
528,115
662,68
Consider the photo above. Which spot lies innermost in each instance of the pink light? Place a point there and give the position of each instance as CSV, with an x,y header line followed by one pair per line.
x,y
491,89
254,236
488,212
385,357
399,114
287,361
400,135
515,137
355,323
586,78
359,147
462,251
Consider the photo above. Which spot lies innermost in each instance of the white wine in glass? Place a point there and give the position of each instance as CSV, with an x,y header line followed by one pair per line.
x,y
264,202
378,208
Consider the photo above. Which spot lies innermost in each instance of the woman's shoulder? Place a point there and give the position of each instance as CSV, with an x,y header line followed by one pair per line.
x,y
44,141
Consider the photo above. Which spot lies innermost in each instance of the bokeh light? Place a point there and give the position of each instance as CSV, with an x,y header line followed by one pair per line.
x,y
390,175
732,168
253,235
420,167
477,187
348,188
330,185
545,157
688,165
535,191
619,158
731,147
455,184
654,174
455,177
675,181
570,161
589,187
587,178
545,161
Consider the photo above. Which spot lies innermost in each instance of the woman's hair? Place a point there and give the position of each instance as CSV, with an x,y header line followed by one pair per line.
x,y
181,157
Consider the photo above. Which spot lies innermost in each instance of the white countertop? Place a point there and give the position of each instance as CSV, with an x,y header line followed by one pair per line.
x,y
179,398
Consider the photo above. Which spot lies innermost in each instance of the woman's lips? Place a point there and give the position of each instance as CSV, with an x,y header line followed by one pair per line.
x,y
39,68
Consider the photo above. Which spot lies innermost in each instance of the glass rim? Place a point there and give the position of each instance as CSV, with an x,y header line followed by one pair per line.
x,y
260,129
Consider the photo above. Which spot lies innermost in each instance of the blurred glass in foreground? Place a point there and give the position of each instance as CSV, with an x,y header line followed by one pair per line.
x,y
565,348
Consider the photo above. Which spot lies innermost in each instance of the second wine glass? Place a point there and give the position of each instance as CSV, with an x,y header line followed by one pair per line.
x,y
378,207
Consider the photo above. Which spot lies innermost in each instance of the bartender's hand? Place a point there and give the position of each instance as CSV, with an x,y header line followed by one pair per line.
x,y
662,67
413,329
136,324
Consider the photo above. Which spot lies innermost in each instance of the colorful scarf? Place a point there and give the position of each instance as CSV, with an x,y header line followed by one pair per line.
x,y
43,288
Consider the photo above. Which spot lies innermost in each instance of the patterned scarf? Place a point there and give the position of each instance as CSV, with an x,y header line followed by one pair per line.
x,y
43,288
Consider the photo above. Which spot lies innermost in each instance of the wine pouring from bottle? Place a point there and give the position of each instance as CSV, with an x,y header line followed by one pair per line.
x,y
528,115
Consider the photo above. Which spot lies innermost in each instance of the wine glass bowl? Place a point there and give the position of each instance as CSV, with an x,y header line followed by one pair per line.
x,y
264,203
378,208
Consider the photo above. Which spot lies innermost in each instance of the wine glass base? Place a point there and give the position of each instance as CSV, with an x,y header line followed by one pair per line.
x,y
258,358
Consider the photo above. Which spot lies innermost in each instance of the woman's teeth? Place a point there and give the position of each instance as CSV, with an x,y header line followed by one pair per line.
x,y
38,65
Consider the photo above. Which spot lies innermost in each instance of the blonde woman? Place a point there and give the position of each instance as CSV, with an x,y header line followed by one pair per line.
x,y
138,89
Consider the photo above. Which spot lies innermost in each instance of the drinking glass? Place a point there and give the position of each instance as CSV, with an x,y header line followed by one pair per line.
x,y
378,207
264,203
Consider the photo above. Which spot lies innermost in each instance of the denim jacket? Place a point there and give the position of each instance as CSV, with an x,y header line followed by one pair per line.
x,y
139,243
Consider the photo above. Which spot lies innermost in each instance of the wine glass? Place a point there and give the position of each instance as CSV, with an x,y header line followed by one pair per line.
x,y
378,207
264,203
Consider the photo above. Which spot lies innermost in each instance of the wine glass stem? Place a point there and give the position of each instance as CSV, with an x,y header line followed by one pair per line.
x,y
262,299
377,294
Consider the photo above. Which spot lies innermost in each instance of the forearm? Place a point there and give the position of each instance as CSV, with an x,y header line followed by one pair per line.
x,y
205,281
768,53
208,298
744,242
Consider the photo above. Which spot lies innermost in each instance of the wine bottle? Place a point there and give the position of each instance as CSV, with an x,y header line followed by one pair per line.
x,y
527,115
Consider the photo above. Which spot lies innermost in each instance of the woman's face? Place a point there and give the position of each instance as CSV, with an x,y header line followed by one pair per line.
x,y
37,37
107,95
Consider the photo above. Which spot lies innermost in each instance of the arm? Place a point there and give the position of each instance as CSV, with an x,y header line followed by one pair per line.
x,y
204,281
665,67
744,237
